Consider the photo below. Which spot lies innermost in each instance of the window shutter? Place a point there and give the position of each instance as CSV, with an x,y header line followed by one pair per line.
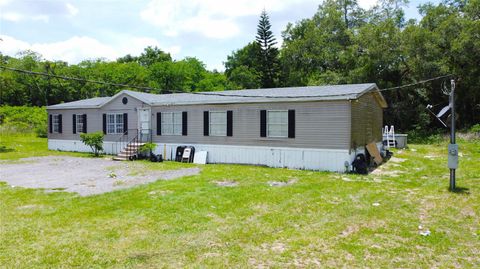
x,y
159,123
74,123
263,123
84,123
104,123
50,123
229,123
205,123
125,123
184,123
60,123
291,123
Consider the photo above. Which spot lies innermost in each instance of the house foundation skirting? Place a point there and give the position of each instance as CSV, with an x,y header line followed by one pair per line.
x,y
77,146
294,158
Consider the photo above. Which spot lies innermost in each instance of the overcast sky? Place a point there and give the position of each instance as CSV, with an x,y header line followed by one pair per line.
x,y
210,30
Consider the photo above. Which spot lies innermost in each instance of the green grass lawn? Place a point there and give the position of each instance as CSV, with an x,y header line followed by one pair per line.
x,y
322,220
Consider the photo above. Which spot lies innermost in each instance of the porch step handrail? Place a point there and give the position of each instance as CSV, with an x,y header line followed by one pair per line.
x,y
121,142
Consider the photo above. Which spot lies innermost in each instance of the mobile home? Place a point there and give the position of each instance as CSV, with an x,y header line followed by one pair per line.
x,y
315,127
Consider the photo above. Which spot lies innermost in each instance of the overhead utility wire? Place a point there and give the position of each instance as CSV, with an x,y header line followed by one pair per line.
x,y
415,83
213,93
76,79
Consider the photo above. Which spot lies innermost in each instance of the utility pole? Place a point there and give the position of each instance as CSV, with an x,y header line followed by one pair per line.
x,y
452,148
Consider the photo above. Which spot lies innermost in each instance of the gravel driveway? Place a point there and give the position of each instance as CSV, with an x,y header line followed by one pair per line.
x,y
85,176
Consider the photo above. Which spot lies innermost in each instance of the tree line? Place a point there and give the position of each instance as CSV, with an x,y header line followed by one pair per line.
x,y
154,69
342,43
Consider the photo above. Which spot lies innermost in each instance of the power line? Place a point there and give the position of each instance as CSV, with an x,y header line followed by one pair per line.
x,y
212,93
330,95
76,79
416,83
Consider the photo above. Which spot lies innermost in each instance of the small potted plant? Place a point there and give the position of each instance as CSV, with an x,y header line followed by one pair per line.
x,y
146,150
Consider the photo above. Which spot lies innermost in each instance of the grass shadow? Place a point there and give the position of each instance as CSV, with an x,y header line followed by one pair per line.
x,y
4,149
460,190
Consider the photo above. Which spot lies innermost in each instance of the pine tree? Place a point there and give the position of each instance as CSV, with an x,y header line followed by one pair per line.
x,y
268,57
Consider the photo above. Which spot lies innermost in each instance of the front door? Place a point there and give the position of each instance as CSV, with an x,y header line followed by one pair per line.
x,y
144,129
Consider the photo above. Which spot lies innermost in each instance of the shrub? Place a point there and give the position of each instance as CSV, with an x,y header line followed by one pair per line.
x,y
94,141
475,129
23,119
5,149
147,148
41,131
423,137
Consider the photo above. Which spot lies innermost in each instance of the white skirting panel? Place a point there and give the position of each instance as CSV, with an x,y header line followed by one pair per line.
x,y
76,146
296,158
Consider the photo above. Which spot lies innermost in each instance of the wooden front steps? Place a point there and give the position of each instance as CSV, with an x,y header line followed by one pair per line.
x,y
130,150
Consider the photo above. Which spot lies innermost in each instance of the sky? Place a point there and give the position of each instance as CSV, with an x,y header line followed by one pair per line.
x,y
76,30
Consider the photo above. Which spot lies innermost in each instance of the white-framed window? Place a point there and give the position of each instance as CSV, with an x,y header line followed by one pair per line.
x,y
79,123
56,123
115,124
277,123
218,123
172,123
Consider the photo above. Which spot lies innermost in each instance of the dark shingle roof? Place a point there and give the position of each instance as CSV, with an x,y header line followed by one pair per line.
x,y
310,93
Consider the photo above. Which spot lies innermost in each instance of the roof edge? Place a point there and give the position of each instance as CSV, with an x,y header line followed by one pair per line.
x,y
377,95
127,92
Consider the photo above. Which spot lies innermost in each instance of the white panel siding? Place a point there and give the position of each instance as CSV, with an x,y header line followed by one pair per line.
x,y
76,146
295,158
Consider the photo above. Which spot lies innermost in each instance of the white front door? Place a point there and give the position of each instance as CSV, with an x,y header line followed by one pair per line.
x,y
144,121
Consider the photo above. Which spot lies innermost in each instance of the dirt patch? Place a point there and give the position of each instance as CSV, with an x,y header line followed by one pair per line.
x,y
386,172
396,160
356,227
389,168
226,183
282,183
276,247
85,176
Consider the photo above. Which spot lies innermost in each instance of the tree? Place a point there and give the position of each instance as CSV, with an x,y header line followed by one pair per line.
x,y
127,59
153,55
94,141
353,15
269,63
214,81
317,45
243,77
243,66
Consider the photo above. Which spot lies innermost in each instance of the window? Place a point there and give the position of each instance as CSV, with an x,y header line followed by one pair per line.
x,y
277,123
218,123
115,124
79,119
171,123
56,123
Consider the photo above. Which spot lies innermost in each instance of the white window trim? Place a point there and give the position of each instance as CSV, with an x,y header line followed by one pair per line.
x,y
173,124
78,124
210,123
275,136
115,123
55,123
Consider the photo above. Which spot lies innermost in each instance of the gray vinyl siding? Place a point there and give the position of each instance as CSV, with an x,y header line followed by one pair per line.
x,y
367,121
318,124
323,124
95,118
